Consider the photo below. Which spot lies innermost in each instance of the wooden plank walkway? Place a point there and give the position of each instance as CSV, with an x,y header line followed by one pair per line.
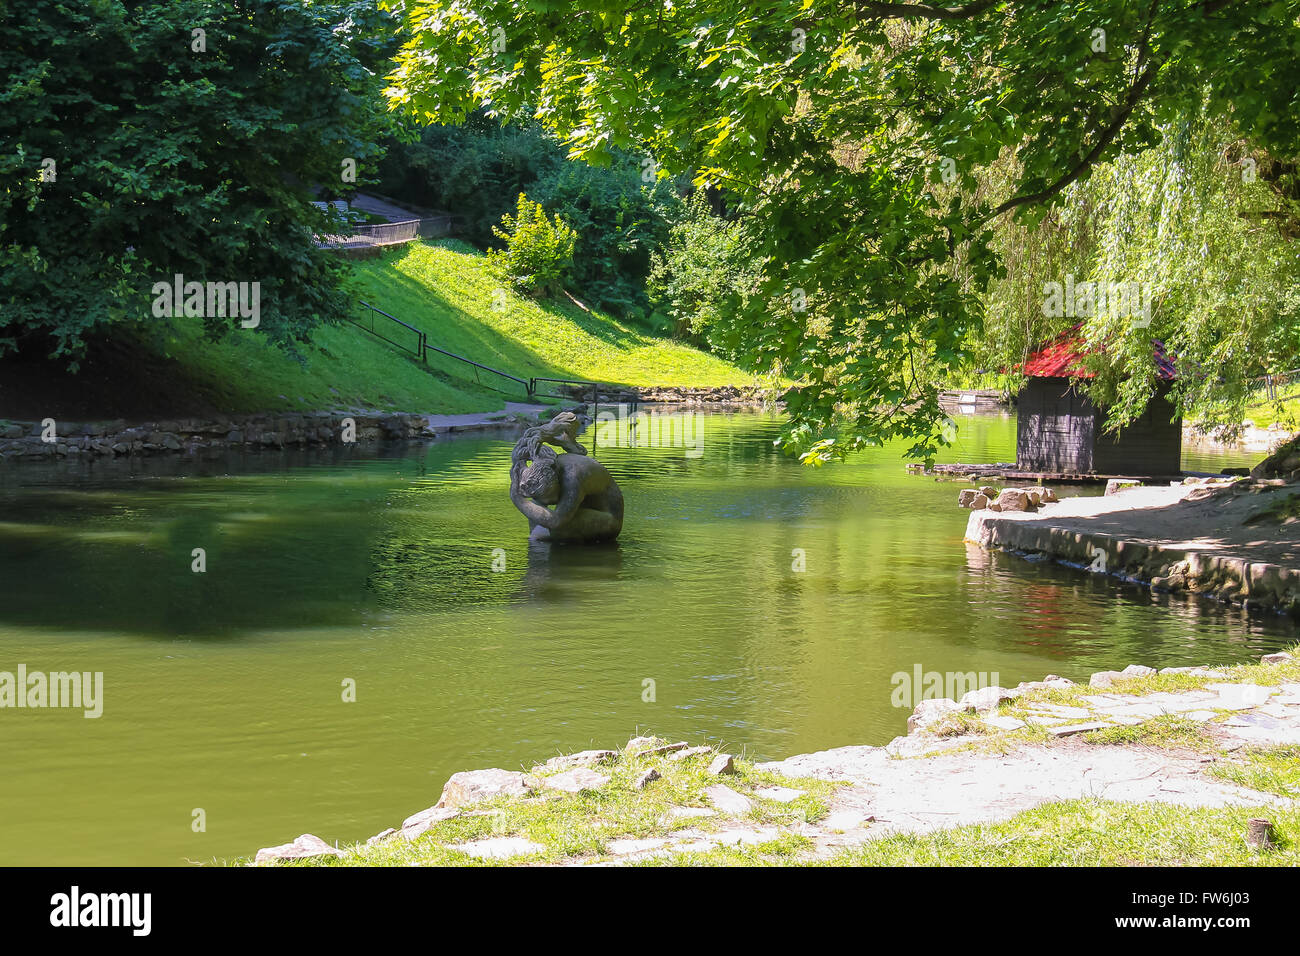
x,y
973,401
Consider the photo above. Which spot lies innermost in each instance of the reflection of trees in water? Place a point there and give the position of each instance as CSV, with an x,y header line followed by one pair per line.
x,y
283,550
1096,621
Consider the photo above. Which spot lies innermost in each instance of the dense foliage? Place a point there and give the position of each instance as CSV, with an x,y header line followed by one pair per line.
x,y
621,219
133,149
704,276
538,254
855,135
474,170
620,210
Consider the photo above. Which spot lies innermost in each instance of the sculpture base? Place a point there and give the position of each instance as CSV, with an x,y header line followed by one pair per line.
x,y
588,526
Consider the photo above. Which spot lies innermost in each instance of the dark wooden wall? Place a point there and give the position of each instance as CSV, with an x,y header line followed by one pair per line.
x,y
1054,427
1060,430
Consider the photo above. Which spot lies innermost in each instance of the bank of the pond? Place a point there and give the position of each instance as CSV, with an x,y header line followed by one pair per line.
x,y
1233,540
1220,748
51,438
198,437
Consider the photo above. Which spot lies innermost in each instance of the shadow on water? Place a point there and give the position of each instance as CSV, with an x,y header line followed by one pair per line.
x,y
171,547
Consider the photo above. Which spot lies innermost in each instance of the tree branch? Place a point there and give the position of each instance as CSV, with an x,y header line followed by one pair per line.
x,y
1134,96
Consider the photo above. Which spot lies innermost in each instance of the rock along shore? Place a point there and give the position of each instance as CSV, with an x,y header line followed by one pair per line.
x,y
34,440
1233,540
1177,736
193,436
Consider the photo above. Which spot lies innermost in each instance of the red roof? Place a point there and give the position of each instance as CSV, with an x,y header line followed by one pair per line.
x,y
1062,356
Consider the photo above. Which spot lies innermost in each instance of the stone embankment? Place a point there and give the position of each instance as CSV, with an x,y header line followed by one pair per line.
x,y
1179,736
190,436
738,396
1233,540
56,439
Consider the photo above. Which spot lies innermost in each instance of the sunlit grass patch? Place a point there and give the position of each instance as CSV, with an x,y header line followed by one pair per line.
x,y
1168,731
1092,833
1268,675
1266,769
579,827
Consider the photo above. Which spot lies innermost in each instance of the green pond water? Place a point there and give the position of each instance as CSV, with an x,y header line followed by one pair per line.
x,y
223,690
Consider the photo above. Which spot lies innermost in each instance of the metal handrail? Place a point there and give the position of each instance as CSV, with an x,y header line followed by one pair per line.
x,y
423,348
1271,383
421,340
486,368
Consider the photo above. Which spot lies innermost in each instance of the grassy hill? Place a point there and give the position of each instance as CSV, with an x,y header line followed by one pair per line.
x,y
443,288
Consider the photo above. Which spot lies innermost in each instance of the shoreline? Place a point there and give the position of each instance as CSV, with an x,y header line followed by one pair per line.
x,y
1183,739
196,437
1228,540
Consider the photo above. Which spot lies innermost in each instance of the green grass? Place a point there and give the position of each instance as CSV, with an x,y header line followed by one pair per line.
x,y
580,825
1093,833
1268,675
959,724
445,289
344,367
1267,769
1285,412
1168,731
1280,511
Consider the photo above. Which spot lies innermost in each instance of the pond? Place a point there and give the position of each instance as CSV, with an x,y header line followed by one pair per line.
x,y
224,690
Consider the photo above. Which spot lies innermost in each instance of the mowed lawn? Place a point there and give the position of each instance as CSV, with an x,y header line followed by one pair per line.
x,y
445,289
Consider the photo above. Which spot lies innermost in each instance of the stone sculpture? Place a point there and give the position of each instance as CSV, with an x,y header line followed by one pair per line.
x,y
567,497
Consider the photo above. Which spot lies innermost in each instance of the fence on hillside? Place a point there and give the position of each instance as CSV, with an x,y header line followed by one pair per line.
x,y
408,338
1276,384
390,233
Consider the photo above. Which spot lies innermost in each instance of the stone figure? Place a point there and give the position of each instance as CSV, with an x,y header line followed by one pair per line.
x,y
561,430
565,497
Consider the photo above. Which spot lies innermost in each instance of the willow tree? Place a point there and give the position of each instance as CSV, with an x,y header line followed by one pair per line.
x,y
854,133
1210,229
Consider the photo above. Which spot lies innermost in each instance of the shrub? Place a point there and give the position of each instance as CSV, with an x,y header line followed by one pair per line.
x,y
621,221
703,276
538,254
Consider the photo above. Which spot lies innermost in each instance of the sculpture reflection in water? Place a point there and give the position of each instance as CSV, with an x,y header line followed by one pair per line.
x,y
567,497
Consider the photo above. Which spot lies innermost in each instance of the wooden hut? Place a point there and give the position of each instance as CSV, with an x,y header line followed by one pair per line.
x,y
1060,430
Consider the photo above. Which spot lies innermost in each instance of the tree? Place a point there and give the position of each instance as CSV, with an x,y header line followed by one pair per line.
x,y
142,140
853,134
476,169
1206,232
702,275
621,217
